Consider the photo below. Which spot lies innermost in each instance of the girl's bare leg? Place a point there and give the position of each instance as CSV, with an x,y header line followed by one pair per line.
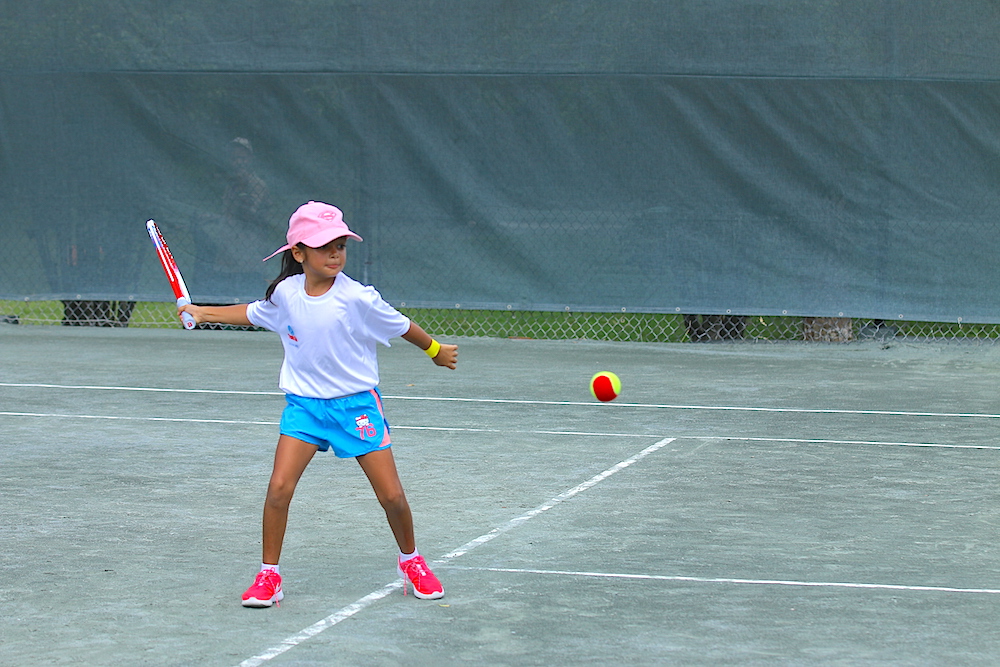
x,y
290,460
380,467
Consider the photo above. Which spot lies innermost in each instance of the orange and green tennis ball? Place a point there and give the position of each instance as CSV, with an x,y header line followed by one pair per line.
x,y
605,386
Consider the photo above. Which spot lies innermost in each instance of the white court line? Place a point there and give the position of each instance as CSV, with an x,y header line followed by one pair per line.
x,y
459,429
604,406
374,596
333,619
723,408
728,580
163,390
823,441
194,420
52,415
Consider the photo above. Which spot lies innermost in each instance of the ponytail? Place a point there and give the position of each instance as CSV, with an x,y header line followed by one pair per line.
x,y
289,267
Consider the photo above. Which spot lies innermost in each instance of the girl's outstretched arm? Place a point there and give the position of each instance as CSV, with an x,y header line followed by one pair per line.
x,y
447,356
235,314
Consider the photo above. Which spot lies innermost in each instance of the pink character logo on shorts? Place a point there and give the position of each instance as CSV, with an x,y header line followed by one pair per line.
x,y
365,428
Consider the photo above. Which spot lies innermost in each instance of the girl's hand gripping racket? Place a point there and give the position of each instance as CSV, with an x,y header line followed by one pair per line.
x,y
173,273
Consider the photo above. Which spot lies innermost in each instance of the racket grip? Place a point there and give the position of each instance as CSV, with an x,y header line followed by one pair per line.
x,y
189,322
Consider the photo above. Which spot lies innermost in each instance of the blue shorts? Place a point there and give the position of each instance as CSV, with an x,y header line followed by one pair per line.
x,y
353,425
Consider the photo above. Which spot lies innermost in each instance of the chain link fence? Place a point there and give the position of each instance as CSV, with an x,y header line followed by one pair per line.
x,y
621,326
612,170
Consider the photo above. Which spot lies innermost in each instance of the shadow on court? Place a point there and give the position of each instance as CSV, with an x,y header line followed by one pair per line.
x,y
739,503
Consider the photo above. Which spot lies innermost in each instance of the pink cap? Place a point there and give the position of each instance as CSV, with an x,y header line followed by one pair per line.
x,y
315,224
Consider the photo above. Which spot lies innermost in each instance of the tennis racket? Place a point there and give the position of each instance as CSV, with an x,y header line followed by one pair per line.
x,y
173,273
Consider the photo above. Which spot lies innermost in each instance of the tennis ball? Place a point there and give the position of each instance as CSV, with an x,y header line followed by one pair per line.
x,y
605,386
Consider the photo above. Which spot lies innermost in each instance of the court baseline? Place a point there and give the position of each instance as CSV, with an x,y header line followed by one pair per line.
x,y
662,406
729,580
460,429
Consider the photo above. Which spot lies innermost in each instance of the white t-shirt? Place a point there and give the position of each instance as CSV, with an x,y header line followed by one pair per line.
x,y
329,340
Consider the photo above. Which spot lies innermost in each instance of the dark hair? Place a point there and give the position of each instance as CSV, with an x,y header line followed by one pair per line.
x,y
289,267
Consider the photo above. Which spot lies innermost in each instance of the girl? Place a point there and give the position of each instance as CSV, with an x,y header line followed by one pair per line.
x,y
329,325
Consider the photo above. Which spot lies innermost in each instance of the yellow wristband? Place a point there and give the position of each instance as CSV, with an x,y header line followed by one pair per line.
x,y
433,350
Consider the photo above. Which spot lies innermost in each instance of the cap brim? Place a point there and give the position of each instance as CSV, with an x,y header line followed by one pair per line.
x,y
277,252
324,237
315,242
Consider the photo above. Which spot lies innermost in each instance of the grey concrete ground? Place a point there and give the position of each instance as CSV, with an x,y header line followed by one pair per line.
x,y
751,504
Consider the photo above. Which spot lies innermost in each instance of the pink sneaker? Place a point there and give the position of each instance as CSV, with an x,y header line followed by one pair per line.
x,y
266,590
425,585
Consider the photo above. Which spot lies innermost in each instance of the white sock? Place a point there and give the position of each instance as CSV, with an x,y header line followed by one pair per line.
x,y
265,566
405,557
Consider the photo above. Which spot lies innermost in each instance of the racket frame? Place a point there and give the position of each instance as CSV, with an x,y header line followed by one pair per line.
x,y
171,270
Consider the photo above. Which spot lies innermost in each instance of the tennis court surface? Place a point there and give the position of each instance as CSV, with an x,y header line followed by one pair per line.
x,y
739,503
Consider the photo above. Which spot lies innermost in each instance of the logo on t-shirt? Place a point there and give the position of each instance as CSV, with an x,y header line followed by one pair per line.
x,y
291,336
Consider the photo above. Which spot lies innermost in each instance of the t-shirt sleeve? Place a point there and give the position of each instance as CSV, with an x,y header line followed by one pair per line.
x,y
383,321
263,314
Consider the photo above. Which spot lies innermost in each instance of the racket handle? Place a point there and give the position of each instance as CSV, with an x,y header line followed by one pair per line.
x,y
189,322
